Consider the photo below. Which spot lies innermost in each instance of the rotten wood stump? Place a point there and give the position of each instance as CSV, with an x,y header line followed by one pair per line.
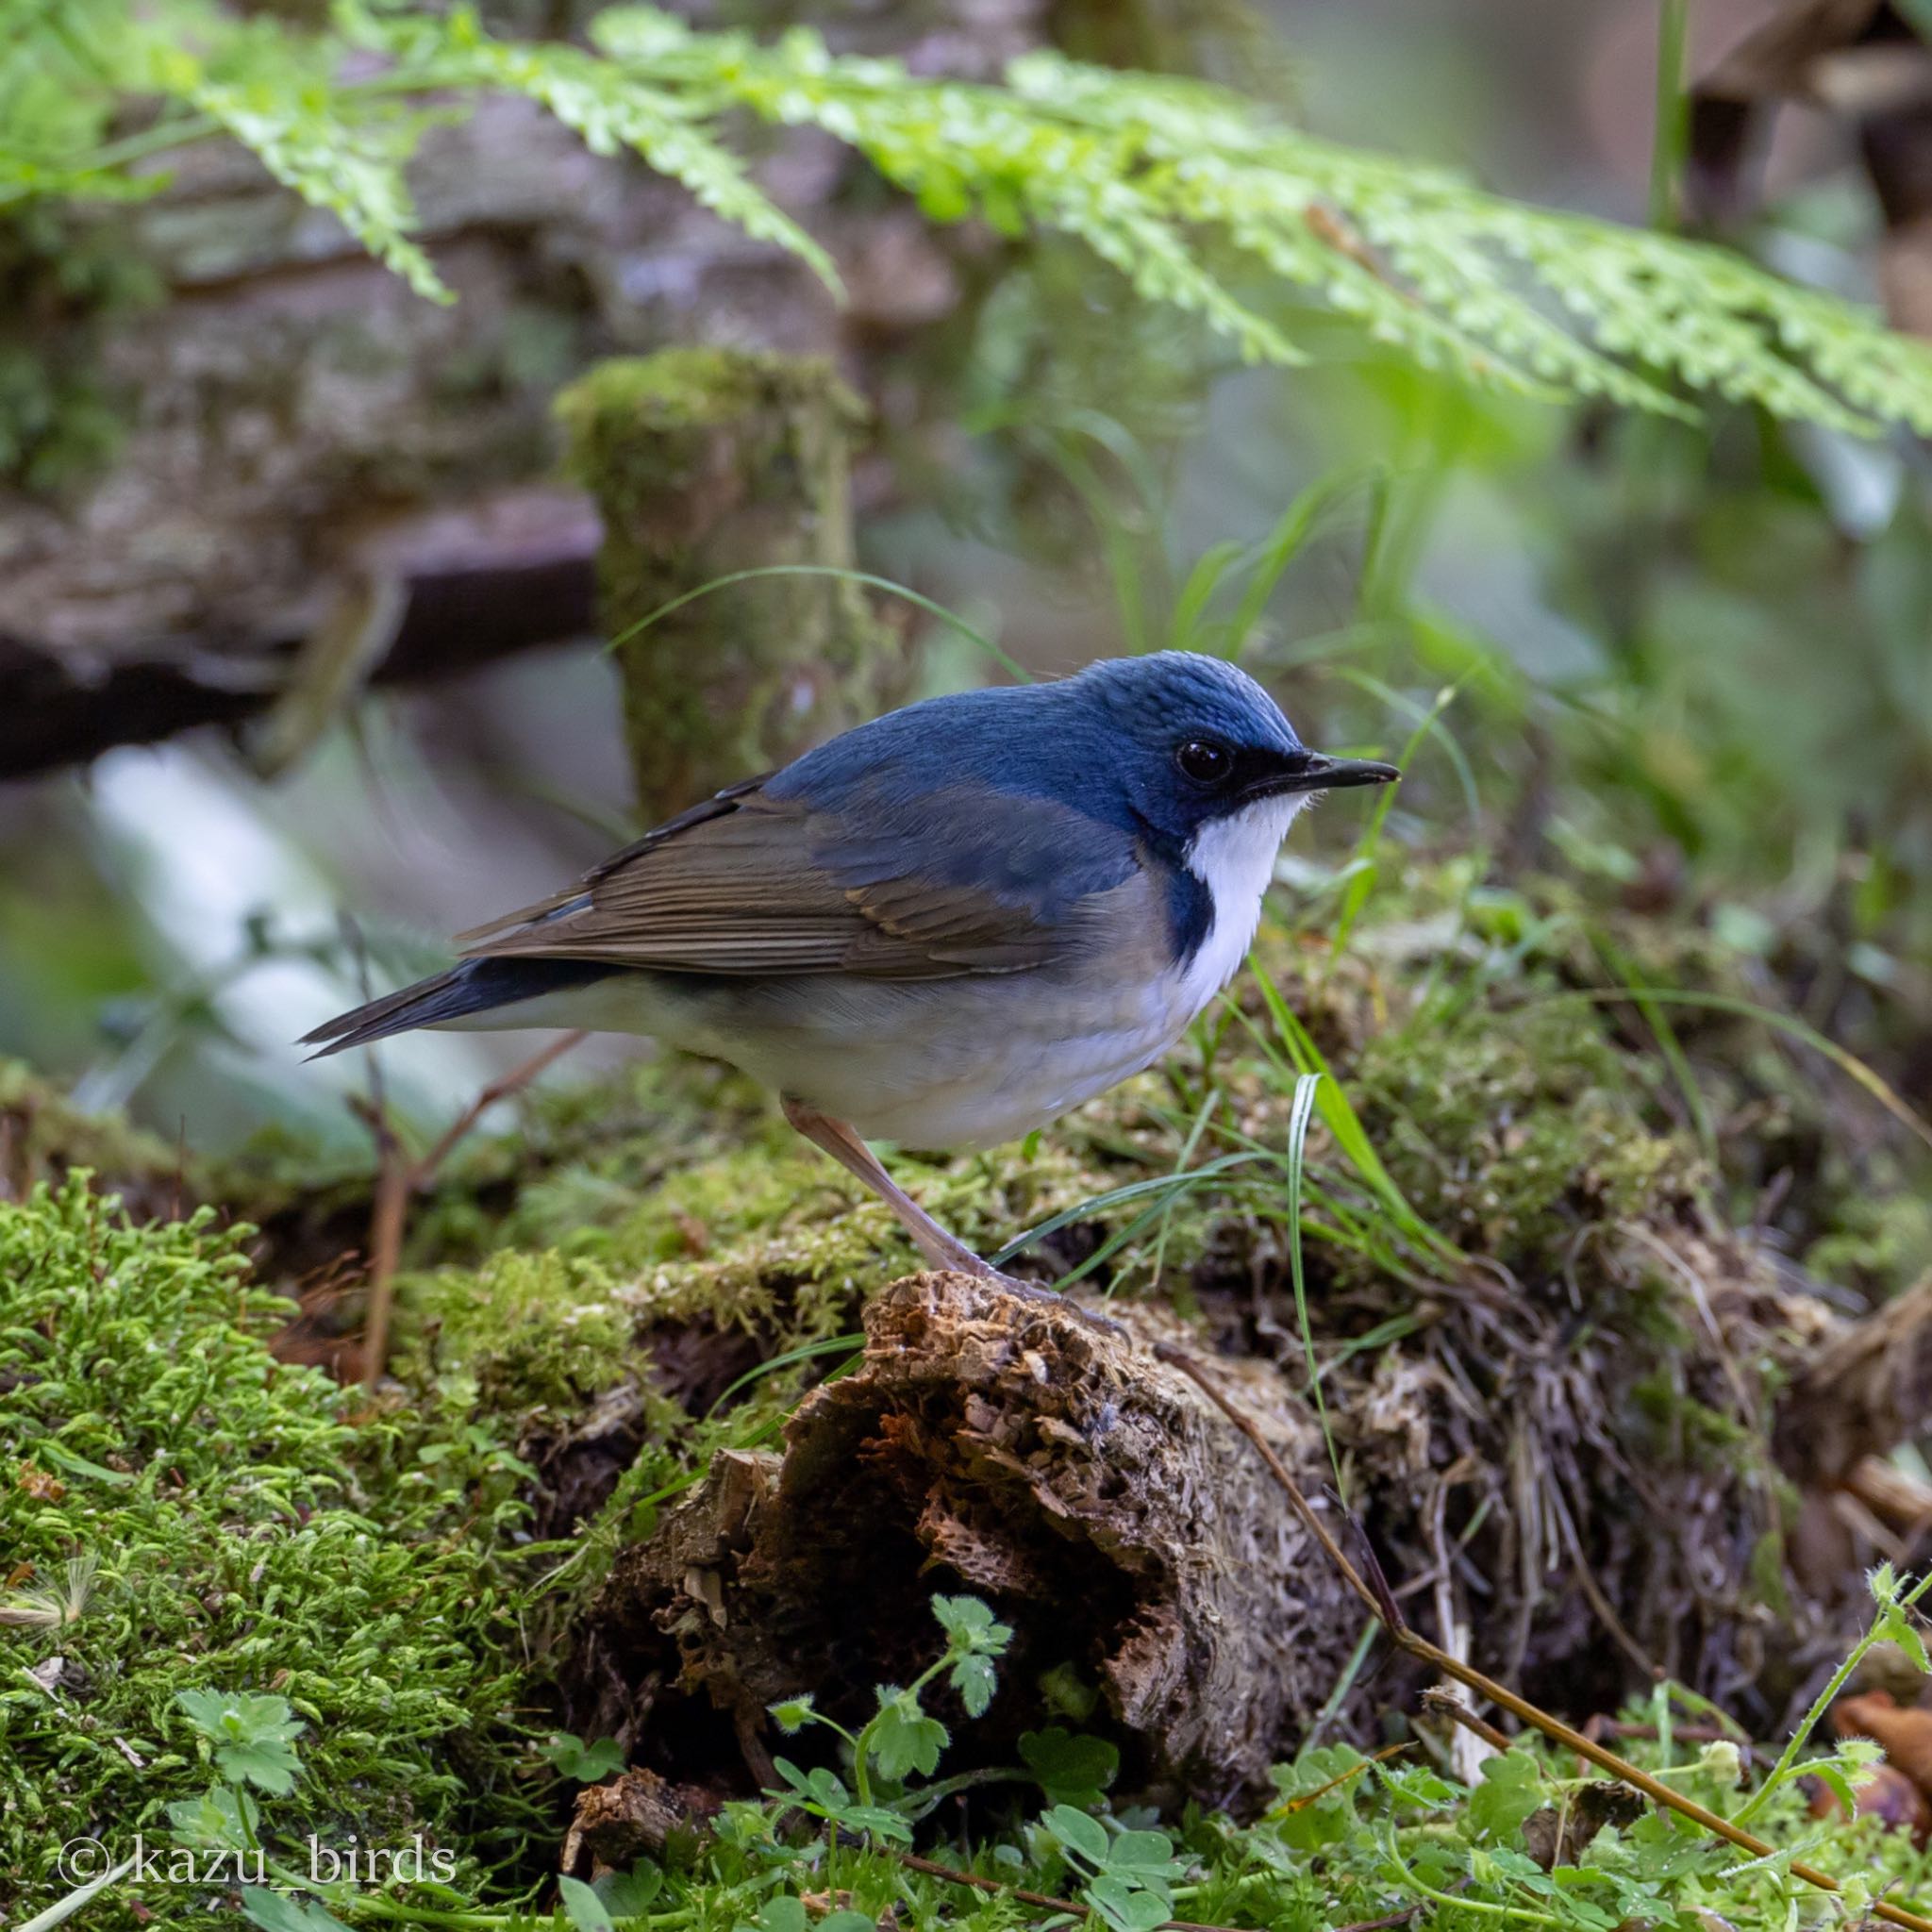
x,y
1034,1456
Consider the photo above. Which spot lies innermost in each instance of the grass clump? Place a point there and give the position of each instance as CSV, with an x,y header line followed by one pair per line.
x,y
182,1513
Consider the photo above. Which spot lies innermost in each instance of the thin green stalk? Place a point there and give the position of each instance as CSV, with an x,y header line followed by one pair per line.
x,y
1846,1062
1006,662
1780,1772
1301,1110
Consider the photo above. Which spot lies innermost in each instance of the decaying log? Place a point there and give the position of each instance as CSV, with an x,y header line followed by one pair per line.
x,y
297,431
1023,1451
1548,1502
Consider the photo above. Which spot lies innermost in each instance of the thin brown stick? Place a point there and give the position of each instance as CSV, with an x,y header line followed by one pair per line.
x,y
933,1869
513,1082
1554,1728
1445,1703
397,1180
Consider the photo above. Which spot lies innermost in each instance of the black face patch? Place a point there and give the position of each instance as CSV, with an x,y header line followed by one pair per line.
x,y
1190,913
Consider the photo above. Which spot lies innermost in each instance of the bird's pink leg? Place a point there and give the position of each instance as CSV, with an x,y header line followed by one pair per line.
x,y
835,1138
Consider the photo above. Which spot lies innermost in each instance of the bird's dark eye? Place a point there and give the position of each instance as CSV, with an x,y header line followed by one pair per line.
x,y
1203,761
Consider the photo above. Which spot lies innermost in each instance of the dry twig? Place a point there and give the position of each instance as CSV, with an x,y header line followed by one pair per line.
x,y
396,1180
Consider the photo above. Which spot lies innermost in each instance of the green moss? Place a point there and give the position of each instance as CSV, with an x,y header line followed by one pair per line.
x,y
243,1537
521,1335
1511,1131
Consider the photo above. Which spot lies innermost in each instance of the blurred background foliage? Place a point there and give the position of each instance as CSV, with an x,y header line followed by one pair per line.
x,y
1653,666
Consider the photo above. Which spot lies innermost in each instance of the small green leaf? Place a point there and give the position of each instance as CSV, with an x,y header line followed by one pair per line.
x,y
1067,1693
972,1626
223,1818
1144,1852
1071,1770
1081,1834
794,1714
783,1914
275,1911
903,1739
1126,1907
583,1907
974,1679
627,1893
1511,1789
584,1763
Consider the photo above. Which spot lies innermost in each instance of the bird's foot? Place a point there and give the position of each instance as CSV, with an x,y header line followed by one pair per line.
x,y
1036,1292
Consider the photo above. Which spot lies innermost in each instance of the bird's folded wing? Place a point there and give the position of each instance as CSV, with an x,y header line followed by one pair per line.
x,y
923,888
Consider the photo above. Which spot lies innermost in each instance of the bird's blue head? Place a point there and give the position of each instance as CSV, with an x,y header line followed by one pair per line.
x,y
1164,748
1193,740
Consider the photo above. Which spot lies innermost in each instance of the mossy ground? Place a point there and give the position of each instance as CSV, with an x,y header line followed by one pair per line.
x,y
647,1249
180,1511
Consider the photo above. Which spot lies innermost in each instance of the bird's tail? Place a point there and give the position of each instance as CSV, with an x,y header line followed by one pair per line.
x,y
477,986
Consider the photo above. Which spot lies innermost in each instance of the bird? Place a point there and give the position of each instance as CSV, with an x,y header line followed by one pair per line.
x,y
941,928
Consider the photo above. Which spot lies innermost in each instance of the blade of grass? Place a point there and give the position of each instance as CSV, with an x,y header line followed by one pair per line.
x,y
1340,1117
1162,1184
1301,1112
1428,717
1366,846
805,1352
1619,968
1006,662
1198,592
1284,542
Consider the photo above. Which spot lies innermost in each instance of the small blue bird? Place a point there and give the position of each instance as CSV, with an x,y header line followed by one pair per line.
x,y
944,927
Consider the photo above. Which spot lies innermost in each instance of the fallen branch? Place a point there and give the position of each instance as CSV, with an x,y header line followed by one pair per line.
x,y
1378,1598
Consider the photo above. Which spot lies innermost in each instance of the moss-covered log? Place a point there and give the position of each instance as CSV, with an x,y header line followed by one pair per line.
x,y
707,462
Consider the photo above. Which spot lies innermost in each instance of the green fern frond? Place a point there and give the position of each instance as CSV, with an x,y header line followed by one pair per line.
x,y
353,168
1200,199
609,109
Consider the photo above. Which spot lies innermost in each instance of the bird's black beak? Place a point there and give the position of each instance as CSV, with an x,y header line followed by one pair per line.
x,y
1315,771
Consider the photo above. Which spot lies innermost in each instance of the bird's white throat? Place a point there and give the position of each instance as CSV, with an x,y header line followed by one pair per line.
x,y
1234,857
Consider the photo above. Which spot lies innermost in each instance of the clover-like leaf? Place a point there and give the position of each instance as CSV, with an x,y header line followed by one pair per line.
x,y
586,1912
1511,1789
1084,1837
1127,1907
276,1912
627,1893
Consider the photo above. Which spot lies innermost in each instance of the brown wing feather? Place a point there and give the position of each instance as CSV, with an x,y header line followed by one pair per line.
x,y
733,888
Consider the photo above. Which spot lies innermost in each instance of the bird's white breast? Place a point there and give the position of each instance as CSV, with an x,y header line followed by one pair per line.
x,y
1234,857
